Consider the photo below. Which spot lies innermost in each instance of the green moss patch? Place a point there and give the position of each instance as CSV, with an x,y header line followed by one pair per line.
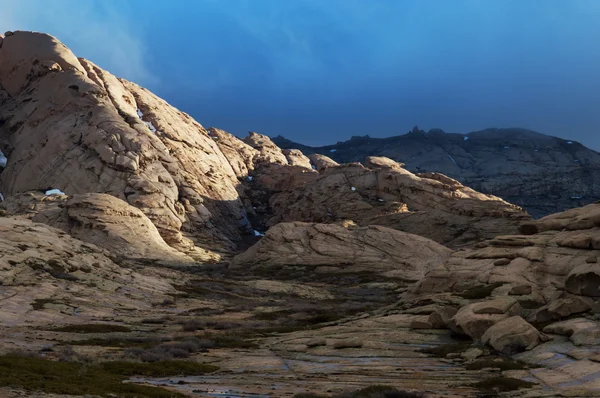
x,y
105,379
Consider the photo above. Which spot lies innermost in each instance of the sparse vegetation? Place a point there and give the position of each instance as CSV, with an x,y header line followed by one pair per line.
x,y
441,351
502,384
375,391
105,379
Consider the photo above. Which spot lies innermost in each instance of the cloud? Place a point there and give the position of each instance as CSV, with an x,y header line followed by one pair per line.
x,y
94,29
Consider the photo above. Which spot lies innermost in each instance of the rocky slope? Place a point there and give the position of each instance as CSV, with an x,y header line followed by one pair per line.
x,y
67,124
540,173
383,193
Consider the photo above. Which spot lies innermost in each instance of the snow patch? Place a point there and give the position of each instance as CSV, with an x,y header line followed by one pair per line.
x,y
506,147
569,142
3,160
250,178
381,200
149,124
576,197
332,150
465,138
576,160
451,158
313,166
1,197
353,188
257,233
54,192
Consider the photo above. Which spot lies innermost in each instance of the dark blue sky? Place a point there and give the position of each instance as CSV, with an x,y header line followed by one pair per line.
x,y
319,71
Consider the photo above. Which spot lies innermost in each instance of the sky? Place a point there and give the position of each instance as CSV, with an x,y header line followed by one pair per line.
x,y
321,71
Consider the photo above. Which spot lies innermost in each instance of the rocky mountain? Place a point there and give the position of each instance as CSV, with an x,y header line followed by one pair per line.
x,y
144,255
540,173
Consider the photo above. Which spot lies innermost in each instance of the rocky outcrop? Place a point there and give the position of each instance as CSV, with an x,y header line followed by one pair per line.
x,y
555,255
475,319
542,174
65,123
513,335
344,248
100,219
43,268
432,205
322,162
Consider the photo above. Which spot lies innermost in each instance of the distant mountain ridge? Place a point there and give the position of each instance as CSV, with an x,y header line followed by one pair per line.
x,y
541,173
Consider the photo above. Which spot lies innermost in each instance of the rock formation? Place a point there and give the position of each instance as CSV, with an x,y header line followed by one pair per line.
x,y
67,124
384,193
345,248
542,174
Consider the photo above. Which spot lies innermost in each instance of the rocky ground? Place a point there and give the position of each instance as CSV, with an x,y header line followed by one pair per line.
x,y
143,255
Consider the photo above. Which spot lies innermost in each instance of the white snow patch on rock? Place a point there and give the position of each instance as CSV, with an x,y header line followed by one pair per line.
x,y
332,150
3,160
465,138
353,188
54,192
257,233
569,142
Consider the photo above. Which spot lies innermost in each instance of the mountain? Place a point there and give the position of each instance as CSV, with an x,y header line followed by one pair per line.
x,y
135,241
540,173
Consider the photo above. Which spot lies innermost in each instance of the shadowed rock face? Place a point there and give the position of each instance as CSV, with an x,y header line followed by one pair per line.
x,y
542,174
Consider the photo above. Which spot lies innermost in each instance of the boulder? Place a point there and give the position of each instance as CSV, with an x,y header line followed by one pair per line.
x,y
569,326
585,280
440,318
475,319
348,248
322,162
512,335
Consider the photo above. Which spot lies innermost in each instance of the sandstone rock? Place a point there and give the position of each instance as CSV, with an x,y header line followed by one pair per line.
x,y
562,308
348,343
420,324
111,223
63,277
296,158
472,353
584,280
322,162
440,318
570,326
502,261
520,290
475,319
512,335
111,136
316,342
436,207
352,249
589,336
535,260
